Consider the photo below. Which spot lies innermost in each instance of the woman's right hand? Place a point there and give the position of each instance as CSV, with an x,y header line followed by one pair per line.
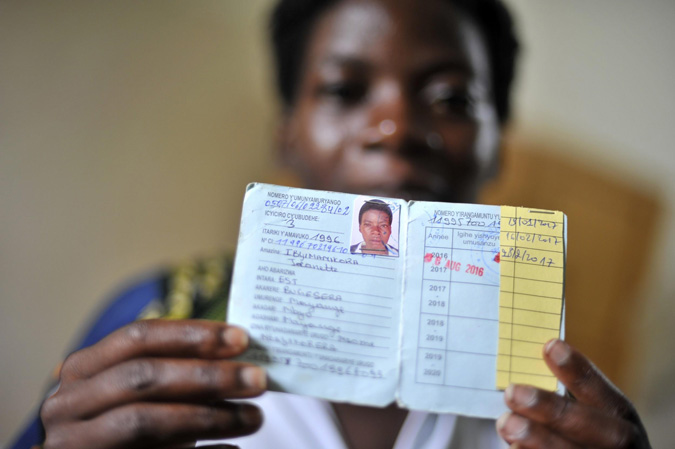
x,y
155,384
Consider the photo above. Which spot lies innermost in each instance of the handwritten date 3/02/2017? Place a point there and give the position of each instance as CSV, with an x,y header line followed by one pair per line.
x,y
525,255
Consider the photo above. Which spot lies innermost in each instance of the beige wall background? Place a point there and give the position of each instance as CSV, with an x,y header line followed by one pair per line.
x,y
128,131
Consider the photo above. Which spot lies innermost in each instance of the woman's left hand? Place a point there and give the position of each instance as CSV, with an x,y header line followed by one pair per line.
x,y
598,415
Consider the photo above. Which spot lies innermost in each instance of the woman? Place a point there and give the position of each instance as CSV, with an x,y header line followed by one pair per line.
x,y
381,97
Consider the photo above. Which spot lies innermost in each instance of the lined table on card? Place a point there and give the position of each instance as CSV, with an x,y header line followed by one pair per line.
x,y
459,318
531,294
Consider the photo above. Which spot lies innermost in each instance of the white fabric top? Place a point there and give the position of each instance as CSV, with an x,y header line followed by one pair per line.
x,y
391,251
298,422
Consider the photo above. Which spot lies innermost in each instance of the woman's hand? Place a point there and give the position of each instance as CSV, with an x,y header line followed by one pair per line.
x,y
155,384
599,415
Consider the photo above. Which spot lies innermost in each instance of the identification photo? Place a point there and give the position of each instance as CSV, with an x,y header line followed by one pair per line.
x,y
375,227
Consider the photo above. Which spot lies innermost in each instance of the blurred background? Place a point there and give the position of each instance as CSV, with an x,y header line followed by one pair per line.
x,y
128,131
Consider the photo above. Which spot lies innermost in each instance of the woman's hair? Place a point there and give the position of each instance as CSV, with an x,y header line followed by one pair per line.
x,y
375,204
292,23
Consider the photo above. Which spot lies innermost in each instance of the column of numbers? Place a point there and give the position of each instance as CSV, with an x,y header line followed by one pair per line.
x,y
435,306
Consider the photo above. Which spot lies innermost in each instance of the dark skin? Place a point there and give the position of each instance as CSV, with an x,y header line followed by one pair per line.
x,y
154,384
394,101
375,229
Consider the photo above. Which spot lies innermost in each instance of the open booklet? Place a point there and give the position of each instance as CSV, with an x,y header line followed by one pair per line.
x,y
373,300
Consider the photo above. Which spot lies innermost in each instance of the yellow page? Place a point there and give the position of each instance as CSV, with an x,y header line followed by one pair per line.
x,y
532,269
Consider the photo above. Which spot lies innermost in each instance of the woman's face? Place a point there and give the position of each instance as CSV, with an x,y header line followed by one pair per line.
x,y
395,100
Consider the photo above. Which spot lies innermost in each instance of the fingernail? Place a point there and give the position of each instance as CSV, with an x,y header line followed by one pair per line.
x,y
250,415
254,377
523,395
508,393
558,350
512,426
502,420
235,337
